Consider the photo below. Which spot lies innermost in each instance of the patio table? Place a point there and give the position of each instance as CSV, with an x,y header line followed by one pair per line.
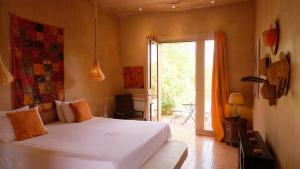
x,y
190,109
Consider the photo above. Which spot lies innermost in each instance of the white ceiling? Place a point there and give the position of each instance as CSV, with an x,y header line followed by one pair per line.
x,y
128,7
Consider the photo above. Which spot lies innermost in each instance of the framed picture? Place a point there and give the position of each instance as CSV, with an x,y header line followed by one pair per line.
x,y
256,62
133,77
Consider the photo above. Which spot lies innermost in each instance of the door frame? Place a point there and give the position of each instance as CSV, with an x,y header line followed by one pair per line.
x,y
148,81
199,100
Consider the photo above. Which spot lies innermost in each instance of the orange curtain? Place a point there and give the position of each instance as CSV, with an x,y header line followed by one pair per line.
x,y
220,108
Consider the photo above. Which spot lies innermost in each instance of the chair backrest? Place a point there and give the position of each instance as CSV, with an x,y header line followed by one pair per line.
x,y
124,105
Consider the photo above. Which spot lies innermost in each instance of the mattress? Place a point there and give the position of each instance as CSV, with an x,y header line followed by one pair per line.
x,y
99,143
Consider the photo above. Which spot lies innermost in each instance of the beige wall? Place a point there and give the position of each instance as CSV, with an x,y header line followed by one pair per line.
x,y
76,17
236,20
280,124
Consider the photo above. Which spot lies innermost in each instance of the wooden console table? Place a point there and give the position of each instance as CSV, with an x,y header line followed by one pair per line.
x,y
232,127
249,156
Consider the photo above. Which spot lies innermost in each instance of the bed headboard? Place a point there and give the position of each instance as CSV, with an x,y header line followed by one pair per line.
x,y
38,66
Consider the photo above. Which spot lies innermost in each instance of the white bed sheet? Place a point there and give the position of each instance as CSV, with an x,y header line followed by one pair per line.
x,y
99,143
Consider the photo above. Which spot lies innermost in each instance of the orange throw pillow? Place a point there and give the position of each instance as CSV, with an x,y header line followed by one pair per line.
x,y
81,110
27,124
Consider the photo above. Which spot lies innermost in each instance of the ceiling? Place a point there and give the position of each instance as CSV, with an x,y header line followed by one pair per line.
x,y
129,7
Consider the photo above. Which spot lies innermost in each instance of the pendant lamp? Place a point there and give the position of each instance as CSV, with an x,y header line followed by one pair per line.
x,y
96,73
5,75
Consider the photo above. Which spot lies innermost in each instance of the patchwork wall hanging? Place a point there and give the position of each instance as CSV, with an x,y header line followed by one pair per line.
x,y
133,77
38,65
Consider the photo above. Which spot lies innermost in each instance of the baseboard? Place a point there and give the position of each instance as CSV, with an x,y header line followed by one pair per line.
x,y
205,133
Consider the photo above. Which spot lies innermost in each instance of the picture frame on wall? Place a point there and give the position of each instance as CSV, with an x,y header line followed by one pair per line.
x,y
256,62
133,77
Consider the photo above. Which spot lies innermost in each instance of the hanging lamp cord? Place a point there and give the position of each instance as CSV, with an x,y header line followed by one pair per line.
x,y
95,43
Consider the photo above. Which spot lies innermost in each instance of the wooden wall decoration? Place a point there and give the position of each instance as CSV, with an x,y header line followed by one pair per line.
x,y
38,65
271,37
133,77
275,75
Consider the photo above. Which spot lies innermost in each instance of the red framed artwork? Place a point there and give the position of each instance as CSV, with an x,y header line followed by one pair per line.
x,y
133,77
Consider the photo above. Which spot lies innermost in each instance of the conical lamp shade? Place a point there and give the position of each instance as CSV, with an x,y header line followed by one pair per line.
x,y
5,75
96,73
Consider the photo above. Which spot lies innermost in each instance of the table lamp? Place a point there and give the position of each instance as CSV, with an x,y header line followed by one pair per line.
x,y
235,99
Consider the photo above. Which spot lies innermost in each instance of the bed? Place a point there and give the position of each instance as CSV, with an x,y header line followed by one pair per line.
x,y
99,143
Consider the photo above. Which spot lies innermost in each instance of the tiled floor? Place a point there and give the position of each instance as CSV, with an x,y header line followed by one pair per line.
x,y
204,152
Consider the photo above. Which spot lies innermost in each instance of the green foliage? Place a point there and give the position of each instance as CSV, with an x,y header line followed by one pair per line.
x,y
167,104
178,75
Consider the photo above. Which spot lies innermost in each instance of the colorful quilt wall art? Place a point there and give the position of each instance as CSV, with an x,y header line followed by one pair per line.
x,y
38,64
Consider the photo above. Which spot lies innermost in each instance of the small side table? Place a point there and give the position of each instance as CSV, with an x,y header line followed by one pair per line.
x,y
232,127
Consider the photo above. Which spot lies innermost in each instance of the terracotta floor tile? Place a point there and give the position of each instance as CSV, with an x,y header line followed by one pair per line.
x,y
201,164
204,152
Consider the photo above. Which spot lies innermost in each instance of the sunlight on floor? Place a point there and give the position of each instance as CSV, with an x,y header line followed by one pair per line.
x,y
204,152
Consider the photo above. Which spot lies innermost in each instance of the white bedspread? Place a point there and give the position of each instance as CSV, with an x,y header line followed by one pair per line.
x,y
99,143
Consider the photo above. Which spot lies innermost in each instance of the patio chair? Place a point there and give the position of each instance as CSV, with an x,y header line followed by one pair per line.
x,y
177,115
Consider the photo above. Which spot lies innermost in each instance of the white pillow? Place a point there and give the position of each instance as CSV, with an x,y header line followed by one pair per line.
x,y
37,110
7,132
68,113
59,110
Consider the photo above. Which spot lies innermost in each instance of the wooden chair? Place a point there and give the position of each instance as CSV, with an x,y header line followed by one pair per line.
x,y
125,108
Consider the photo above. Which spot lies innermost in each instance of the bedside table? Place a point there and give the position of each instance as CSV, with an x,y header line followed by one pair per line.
x,y
232,127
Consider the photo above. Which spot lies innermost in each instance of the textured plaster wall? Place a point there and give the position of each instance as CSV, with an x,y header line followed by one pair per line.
x,y
280,124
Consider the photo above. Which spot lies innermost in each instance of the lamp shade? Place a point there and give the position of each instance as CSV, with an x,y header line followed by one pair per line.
x,y
96,73
5,75
236,98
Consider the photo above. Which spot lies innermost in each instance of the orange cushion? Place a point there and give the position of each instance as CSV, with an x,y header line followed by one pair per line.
x,y
81,110
26,124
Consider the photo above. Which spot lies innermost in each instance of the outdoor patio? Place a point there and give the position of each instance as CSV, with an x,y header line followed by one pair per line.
x,y
177,123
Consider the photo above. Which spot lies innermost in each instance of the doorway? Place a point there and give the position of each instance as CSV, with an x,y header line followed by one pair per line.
x,y
178,63
171,83
179,83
